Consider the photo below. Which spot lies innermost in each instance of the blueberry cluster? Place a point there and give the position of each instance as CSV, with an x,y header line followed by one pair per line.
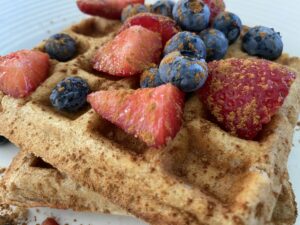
x,y
183,65
216,35
193,16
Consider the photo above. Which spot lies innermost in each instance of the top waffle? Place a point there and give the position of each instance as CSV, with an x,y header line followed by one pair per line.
x,y
203,176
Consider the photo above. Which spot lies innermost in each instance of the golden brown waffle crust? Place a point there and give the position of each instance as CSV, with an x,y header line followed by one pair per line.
x,y
204,176
24,184
28,184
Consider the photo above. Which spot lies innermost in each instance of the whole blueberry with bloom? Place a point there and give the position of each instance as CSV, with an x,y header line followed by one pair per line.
x,y
191,15
150,78
263,42
230,24
61,47
163,7
187,73
216,44
70,94
187,43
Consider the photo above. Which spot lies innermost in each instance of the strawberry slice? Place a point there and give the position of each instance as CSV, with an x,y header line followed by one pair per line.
x,y
152,114
22,72
243,94
129,53
110,9
157,23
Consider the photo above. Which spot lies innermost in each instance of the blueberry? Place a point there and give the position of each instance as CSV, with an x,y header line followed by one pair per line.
x,y
3,140
150,78
163,7
61,47
216,44
70,94
187,73
263,42
191,15
230,24
186,43
132,10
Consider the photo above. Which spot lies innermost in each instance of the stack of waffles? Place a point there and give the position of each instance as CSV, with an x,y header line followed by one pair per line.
x,y
203,176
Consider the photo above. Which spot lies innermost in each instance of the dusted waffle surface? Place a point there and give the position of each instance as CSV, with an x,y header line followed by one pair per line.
x,y
30,182
204,176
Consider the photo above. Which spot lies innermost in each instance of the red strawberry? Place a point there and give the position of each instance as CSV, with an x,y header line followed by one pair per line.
x,y
50,221
157,23
243,94
110,9
22,72
215,6
129,53
152,114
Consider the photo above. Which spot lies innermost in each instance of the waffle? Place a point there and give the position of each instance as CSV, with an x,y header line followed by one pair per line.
x,y
31,182
285,211
204,176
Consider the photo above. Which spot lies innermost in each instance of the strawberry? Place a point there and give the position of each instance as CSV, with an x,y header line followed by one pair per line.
x,y
129,53
50,221
243,94
110,9
22,72
157,23
215,6
152,114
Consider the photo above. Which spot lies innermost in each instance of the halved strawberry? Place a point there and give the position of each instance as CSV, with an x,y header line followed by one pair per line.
x,y
152,114
22,72
243,94
157,23
110,9
129,53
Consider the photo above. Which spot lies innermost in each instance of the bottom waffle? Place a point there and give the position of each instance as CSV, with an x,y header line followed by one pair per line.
x,y
31,182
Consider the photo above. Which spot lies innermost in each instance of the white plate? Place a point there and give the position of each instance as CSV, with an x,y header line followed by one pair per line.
x,y
23,24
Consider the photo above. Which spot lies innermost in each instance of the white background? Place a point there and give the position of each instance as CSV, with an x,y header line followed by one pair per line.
x,y
23,24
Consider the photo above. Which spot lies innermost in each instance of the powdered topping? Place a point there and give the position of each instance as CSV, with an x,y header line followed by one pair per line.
x,y
152,114
243,94
196,6
128,53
